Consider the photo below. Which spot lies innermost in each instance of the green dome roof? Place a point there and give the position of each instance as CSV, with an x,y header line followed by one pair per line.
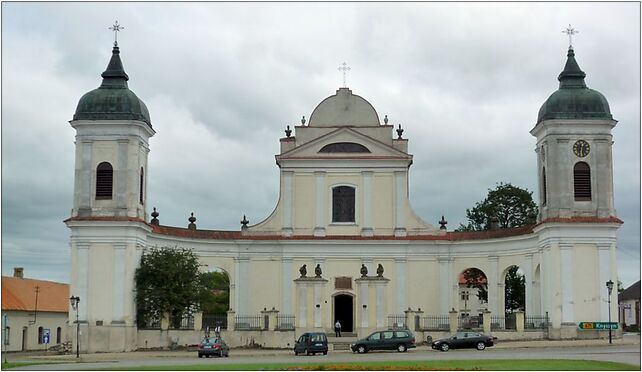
x,y
112,100
573,99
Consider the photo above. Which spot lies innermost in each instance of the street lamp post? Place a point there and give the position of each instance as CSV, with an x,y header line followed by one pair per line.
x,y
609,286
75,300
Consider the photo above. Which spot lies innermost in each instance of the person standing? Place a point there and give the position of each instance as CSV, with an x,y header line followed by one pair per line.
x,y
337,328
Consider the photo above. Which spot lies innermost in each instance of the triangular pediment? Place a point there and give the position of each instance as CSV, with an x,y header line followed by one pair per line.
x,y
375,148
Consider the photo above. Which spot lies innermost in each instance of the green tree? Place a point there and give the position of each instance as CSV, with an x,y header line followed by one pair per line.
x,y
475,278
509,205
168,282
515,290
215,297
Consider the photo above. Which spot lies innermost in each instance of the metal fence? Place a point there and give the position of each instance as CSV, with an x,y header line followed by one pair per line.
x,y
187,322
247,322
149,324
285,322
535,322
435,323
470,322
497,323
397,322
212,320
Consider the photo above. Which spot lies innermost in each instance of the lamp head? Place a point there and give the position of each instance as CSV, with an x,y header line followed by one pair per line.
x,y
74,300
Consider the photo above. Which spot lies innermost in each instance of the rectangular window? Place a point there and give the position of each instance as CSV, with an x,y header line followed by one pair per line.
x,y
343,204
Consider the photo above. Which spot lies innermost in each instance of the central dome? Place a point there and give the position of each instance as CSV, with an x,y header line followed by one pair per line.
x,y
344,109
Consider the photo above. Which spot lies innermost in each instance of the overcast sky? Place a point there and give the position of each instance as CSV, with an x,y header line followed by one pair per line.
x,y
222,80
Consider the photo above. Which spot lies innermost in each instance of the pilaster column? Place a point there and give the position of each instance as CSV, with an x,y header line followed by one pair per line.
x,y
528,274
493,286
286,286
367,230
566,273
320,204
288,202
400,279
444,284
604,275
317,304
118,282
121,175
380,286
85,172
364,301
82,280
242,295
399,205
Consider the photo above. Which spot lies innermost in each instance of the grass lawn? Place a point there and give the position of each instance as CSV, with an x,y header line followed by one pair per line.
x,y
427,365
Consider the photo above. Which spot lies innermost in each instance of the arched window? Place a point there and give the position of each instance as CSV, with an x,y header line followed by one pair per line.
x,y
344,147
582,181
343,204
142,179
544,186
104,181
58,335
40,334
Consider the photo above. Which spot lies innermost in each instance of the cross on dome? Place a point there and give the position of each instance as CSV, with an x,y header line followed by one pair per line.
x,y
344,68
570,31
116,27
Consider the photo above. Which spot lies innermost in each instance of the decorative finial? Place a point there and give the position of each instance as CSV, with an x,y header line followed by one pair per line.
x,y
443,223
288,131
344,68
116,27
385,120
244,221
154,220
303,120
192,225
570,31
399,132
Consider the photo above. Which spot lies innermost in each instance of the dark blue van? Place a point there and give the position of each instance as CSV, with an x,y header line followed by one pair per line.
x,y
311,343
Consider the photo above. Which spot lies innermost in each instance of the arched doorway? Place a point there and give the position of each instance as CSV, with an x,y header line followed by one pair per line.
x,y
217,301
344,311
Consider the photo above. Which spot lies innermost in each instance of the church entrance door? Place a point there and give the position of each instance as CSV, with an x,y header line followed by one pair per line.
x,y
344,311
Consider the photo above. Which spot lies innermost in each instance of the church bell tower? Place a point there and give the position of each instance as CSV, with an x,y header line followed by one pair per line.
x,y
107,223
574,149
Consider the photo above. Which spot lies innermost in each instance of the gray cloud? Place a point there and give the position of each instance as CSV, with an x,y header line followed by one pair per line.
x,y
222,80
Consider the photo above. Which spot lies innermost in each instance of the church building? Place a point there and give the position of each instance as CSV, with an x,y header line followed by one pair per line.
x,y
343,242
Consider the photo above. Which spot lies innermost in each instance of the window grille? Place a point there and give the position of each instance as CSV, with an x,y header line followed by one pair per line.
x,y
104,181
582,181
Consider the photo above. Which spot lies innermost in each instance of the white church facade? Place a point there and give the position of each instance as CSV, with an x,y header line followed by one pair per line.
x,y
343,242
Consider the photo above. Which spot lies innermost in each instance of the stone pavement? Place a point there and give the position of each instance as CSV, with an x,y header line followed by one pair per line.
x,y
628,339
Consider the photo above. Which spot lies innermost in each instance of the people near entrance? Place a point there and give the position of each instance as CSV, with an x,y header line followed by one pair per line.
x,y
337,328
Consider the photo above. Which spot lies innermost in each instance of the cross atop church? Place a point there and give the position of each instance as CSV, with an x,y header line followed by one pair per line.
x,y
344,68
570,31
116,27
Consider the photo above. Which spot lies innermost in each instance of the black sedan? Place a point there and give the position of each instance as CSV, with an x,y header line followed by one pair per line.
x,y
464,340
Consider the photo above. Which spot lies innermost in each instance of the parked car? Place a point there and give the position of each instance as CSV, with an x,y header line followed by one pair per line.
x,y
400,340
311,343
213,346
464,340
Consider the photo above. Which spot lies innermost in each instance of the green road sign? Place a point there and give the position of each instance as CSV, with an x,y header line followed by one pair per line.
x,y
598,325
